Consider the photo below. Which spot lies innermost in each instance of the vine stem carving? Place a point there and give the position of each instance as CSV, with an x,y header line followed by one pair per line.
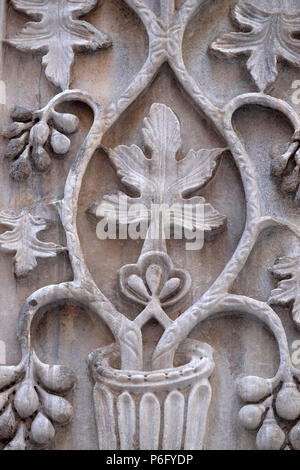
x,y
165,45
254,224
221,118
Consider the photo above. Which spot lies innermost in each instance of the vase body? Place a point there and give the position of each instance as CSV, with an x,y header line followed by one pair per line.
x,y
151,410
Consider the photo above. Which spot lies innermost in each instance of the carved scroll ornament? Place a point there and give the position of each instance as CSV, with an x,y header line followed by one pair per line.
x,y
165,407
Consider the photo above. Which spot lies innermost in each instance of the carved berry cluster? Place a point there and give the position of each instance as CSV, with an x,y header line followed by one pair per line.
x,y
30,405
28,139
266,415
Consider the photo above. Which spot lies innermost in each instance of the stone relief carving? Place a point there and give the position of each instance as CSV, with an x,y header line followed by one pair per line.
x,y
58,33
272,36
23,241
166,405
28,139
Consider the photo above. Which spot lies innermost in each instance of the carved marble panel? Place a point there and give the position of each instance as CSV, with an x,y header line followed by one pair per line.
x,y
149,224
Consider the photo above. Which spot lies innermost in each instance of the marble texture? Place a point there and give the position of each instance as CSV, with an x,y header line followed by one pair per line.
x,y
74,316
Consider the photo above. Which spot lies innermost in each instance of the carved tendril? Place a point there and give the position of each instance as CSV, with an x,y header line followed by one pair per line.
x,y
196,313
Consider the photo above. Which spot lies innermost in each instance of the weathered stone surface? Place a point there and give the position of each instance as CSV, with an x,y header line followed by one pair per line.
x,y
143,344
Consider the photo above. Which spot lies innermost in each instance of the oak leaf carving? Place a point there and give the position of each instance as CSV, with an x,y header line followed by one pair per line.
x,y
56,33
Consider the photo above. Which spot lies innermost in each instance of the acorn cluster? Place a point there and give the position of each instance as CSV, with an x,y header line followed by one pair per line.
x,y
266,415
28,137
30,405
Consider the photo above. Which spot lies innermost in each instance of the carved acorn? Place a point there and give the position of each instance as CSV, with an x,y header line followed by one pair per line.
x,y
18,442
21,114
15,129
41,158
253,388
295,436
7,423
21,168
4,396
66,123
8,375
270,436
59,379
39,134
42,430
60,143
251,416
288,402
56,408
26,400
16,146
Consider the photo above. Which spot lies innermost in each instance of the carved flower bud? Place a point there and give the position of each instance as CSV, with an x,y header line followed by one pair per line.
x,y
252,389
42,430
270,436
16,146
15,129
295,437
153,278
7,423
60,143
288,402
26,400
56,408
251,416
39,134
67,123
21,168
170,288
136,284
21,114
41,158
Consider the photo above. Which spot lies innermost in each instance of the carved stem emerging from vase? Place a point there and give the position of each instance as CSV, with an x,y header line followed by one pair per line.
x,y
187,321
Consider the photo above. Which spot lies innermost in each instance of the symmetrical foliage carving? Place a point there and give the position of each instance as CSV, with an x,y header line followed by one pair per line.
x,y
161,178
167,405
22,240
271,37
57,33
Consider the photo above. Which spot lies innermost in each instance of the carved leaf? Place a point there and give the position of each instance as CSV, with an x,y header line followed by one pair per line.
x,y
132,168
162,179
23,241
121,207
57,33
271,37
288,290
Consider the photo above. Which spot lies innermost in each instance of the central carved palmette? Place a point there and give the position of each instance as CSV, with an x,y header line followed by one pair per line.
x,y
164,405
